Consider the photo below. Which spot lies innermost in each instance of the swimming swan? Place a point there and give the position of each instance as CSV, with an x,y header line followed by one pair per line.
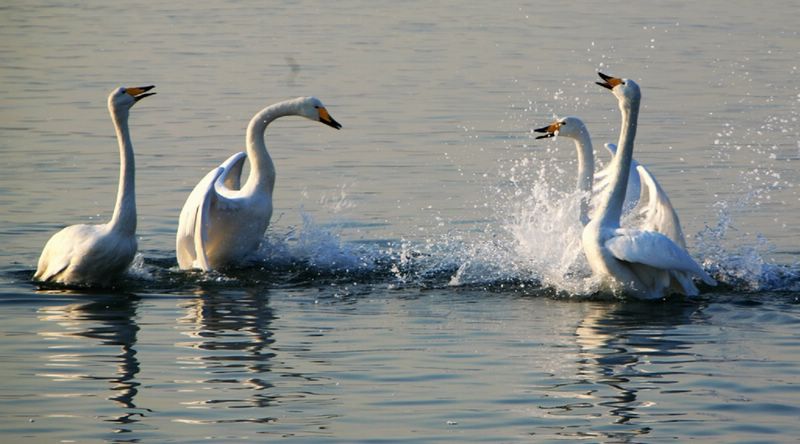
x,y
643,263
96,254
222,223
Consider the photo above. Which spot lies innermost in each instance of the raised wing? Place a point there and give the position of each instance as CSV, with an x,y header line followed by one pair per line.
x,y
193,225
658,214
655,250
216,190
232,172
602,183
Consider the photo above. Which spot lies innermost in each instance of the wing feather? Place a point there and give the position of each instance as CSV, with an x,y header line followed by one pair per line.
x,y
232,173
191,227
655,250
602,182
658,214
216,190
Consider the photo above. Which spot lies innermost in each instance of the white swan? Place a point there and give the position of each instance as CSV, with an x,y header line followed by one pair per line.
x,y
644,263
647,202
589,182
97,254
221,223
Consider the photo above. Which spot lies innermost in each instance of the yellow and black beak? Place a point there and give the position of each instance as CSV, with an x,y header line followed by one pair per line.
x,y
140,92
326,118
609,82
549,130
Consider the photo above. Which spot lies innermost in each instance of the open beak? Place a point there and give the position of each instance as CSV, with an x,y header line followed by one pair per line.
x,y
549,130
326,118
140,92
608,81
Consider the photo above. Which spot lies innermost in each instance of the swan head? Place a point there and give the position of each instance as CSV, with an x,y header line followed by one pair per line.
x,y
124,98
312,108
569,126
623,89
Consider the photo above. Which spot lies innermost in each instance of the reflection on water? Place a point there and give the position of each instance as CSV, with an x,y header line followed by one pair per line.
x,y
95,341
233,365
233,369
620,346
396,352
233,331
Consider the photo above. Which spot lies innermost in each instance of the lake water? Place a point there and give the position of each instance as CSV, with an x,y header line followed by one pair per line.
x,y
421,279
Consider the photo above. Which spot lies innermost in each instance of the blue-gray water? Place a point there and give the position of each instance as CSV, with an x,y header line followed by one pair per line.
x,y
420,280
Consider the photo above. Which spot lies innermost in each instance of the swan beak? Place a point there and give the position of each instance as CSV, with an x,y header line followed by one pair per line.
x,y
138,93
326,118
609,82
549,130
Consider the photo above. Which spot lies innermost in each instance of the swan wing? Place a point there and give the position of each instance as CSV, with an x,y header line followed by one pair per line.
x,y
658,214
82,253
682,283
193,225
217,190
602,184
232,173
655,250
51,262
602,176
634,187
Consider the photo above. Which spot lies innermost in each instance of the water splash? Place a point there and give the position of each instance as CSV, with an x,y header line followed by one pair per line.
x,y
532,243
745,266
139,269
317,248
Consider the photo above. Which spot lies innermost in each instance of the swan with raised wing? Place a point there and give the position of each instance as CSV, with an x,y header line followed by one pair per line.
x,y
646,201
95,255
643,263
223,221
589,182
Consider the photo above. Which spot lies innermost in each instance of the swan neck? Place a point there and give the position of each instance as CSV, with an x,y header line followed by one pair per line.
x,y
124,218
262,169
583,145
611,212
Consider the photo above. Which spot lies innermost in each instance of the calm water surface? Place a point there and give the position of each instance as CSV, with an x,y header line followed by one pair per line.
x,y
421,280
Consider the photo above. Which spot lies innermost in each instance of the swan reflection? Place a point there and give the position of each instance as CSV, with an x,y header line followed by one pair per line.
x,y
231,334
623,349
95,341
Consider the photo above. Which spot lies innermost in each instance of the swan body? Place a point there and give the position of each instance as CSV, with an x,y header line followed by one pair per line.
x,y
591,183
644,263
223,221
97,254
